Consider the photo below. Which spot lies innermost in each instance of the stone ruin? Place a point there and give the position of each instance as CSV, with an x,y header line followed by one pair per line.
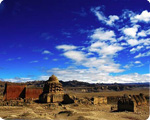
x,y
16,91
126,104
139,99
99,100
130,102
52,91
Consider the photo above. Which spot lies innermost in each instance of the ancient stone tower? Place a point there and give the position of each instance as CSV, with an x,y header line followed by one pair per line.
x,y
52,91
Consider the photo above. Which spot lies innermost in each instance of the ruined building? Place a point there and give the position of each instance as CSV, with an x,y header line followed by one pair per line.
x,y
130,102
126,104
99,100
52,91
14,91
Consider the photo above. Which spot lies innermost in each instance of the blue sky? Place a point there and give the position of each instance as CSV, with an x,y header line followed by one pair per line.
x,y
97,41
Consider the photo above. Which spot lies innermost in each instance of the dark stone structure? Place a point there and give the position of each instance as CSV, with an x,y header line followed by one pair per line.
x,y
14,91
129,103
67,99
52,91
126,104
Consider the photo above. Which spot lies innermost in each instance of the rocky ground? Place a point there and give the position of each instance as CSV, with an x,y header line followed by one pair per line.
x,y
71,112
75,111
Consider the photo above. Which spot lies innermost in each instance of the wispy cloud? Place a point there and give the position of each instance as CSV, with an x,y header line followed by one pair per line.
x,y
106,43
12,59
94,76
103,35
78,56
18,79
35,61
101,17
66,47
142,54
133,50
46,52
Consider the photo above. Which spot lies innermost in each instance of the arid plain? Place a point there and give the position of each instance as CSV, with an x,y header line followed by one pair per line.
x,y
82,109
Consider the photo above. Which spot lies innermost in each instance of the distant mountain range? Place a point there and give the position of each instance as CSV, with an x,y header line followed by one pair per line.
x,y
79,86
75,83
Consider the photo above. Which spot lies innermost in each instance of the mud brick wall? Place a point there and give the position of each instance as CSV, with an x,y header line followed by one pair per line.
x,y
99,100
14,91
33,93
124,105
57,98
113,99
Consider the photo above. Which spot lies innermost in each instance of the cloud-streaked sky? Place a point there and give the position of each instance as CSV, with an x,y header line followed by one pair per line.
x,y
102,41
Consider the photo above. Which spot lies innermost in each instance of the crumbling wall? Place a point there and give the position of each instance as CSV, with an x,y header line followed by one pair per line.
x,y
67,99
51,98
99,100
126,105
14,91
113,99
129,103
57,98
32,93
139,99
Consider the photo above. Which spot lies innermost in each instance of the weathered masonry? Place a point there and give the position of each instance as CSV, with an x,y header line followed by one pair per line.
x,y
14,91
52,91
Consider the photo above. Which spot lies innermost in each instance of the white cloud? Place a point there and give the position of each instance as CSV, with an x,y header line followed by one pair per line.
x,y
95,76
133,42
111,50
141,34
145,42
137,62
148,1
101,17
35,61
131,31
103,35
90,75
129,65
46,52
66,47
142,54
78,56
112,19
127,14
144,16
18,79
42,77
133,50
103,49
1,1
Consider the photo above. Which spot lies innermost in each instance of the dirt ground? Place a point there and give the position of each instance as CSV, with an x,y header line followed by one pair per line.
x,y
145,91
71,112
75,111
